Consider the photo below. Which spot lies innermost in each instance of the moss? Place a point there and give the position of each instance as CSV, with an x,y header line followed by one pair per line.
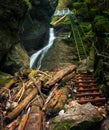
x,y
4,77
96,119
64,125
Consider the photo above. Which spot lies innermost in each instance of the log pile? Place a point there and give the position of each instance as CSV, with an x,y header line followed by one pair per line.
x,y
32,97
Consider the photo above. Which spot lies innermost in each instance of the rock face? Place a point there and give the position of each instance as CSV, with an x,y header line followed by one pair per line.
x,y
11,15
59,55
36,25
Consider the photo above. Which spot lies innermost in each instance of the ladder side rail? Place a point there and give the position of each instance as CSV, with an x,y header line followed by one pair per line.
x,y
75,39
82,43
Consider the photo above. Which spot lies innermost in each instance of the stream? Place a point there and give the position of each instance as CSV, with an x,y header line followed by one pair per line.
x,y
37,57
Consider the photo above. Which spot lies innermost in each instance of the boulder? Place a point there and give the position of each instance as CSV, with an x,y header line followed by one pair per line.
x,y
76,117
16,58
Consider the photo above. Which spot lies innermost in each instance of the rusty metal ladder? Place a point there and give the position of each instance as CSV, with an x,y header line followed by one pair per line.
x,y
87,90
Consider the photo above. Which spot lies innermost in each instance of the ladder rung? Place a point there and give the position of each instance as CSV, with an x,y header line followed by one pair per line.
x,y
93,100
85,90
88,94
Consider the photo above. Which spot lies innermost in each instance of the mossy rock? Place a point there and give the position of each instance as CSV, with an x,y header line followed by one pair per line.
x,y
59,55
76,117
64,125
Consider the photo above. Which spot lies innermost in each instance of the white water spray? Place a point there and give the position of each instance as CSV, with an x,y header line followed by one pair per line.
x,y
41,53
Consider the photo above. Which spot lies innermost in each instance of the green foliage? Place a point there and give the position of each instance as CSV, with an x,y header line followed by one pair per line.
x,y
106,12
91,2
76,5
101,24
62,3
88,1
75,11
28,3
93,11
65,20
106,40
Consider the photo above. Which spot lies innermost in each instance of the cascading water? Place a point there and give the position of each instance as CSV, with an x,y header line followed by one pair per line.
x,y
39,55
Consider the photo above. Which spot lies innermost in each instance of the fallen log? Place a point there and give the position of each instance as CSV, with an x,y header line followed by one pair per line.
x,y
7,85
39,122
20,106
24,120
38,89
35,117
68,77
57,102
49,98
13,125
59,75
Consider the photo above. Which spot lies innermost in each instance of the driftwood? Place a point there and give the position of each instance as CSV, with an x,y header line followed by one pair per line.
x,y
68,77
13,125
59,75
57,102
39,122
38,89
49,97
24,120
21,106
28,93
35,117
7,85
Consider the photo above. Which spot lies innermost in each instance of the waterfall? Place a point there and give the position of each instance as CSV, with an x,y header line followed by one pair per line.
x,y
39,55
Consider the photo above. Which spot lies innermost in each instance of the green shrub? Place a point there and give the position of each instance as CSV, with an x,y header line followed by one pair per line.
x,y
101,24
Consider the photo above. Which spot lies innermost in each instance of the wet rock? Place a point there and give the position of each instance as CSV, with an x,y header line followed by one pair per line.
x,y
32,36
11,15
59,55
15,59
77,117
36,25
